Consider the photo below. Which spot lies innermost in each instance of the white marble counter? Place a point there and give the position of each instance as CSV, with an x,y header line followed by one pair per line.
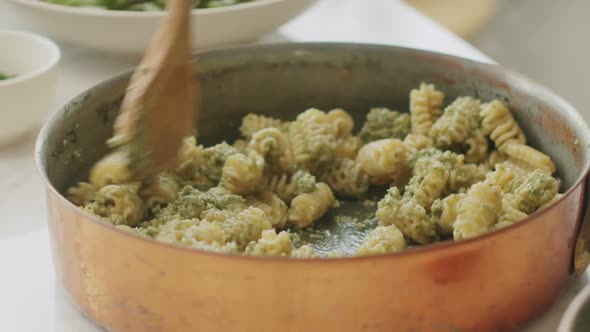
x,y
31,299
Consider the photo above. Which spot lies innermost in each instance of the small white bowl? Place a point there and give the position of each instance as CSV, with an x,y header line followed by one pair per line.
x,y
130,32
577,315
26,98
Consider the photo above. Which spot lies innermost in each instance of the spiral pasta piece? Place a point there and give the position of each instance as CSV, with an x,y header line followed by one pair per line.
x,y
246,226
271,244
346,177
312,140
427,187
341,122
213,159
499,123
502,176
449,159
251,123
382,240
495,157
478,147
457,122
410,217
435,100
445,211
241,173
270,143
305,251
462,177
386,158
196,234
162,188
478,211
83,193
273,207
190,156
510,214
420,116
384,123
529,156
537,189
307,208
551,201
119,203
287,187
241,145
112,169
415,143
348,147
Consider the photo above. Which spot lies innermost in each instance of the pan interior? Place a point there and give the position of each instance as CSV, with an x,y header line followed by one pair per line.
x,y
284,80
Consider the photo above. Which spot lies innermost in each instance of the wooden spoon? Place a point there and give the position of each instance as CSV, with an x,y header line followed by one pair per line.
x,y
159,107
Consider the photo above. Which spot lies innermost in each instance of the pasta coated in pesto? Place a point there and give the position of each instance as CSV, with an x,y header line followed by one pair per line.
x,y
452,174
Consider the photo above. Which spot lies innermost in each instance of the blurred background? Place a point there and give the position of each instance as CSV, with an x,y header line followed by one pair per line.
x,y
546,40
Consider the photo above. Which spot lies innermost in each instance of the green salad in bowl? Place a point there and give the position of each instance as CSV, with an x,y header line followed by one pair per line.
x,y
126,26
141,5
4,76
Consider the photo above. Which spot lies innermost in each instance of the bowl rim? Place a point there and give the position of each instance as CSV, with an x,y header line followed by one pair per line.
x,y
510,76
572,313
53,56
99,12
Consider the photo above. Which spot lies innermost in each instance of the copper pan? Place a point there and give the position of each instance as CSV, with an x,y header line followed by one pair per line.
x,y
492,283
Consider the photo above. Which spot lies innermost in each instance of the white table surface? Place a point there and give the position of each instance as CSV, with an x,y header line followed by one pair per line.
x,y
31,299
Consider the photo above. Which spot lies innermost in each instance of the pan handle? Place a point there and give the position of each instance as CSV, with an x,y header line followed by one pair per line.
x,y
582,250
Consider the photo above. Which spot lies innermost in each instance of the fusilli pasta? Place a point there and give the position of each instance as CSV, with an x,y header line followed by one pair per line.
x,y
410,217
499,123
386,158
478,147
346,177
384,123
538,188
241,174
112,169
253,123
308,207
287,187
528,155
119,202
312,139
445,211
420,115
272,145
478,211
461,172
271,244
348,147
457,123
382,240
273,207
341,123
162,188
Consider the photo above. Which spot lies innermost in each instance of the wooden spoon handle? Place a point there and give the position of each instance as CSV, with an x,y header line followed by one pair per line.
x,y
158,109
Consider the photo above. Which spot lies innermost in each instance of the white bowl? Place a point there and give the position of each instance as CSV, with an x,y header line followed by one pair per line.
x,y
25,99
577,315
130,32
